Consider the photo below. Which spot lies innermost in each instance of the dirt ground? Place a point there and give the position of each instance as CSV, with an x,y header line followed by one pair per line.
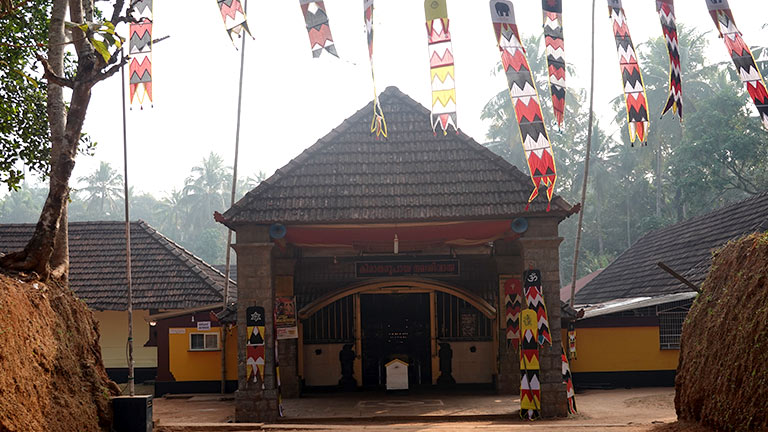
x,y
636,410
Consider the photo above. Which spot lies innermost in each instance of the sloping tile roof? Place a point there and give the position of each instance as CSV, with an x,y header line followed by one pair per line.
x,y
164,275
686,247
413,175
565,290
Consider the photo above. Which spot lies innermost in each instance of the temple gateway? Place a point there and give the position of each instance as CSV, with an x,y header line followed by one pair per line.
x,y
389,250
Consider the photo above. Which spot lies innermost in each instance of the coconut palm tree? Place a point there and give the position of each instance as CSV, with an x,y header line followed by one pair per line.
x,y
171,214
105,192
206,191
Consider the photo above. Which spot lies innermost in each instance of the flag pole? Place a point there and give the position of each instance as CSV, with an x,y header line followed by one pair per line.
x,y
131,379
231,203
586,165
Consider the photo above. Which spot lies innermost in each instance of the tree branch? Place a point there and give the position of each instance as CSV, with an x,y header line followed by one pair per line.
x,y
111,71
13,8
116,11
51,76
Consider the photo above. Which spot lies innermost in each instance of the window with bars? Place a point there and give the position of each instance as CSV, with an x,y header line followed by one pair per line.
x,y
332,324
671,318
458,320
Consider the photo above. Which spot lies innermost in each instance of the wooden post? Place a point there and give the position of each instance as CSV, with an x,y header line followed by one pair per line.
x,y
433,336
358,343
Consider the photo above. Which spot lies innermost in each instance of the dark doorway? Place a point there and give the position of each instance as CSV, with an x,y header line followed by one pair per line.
x,y
395,326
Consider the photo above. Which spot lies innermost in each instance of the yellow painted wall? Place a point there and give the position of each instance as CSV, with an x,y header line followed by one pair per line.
x,y
614,349
113,326
186,365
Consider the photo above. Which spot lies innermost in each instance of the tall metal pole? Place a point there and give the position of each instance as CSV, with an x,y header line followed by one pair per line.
x,y
131,387
586,164
231,203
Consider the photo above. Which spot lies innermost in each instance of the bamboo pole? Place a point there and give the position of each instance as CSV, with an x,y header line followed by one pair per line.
x,y
231,203
131,378
586,164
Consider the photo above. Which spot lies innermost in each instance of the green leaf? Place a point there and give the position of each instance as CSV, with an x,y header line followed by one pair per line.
x,y
101,48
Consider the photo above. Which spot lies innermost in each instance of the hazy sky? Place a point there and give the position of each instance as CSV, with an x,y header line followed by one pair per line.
x,y
291,100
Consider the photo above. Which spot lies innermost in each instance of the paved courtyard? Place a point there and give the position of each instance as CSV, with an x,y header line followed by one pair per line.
x,y
622,409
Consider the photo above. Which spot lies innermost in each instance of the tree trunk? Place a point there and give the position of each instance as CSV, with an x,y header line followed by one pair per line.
x,y
629,225
47,252
599,220
658,181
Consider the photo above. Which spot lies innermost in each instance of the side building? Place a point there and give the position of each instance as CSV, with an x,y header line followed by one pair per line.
x,y
633,311
165,277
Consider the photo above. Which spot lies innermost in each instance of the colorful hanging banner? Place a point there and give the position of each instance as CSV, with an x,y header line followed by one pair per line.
x,y
254,345
631,76
441,70
140,50
568,380
555,48
741,56
513,298
234,17
319,31
525,100
535,300
666,10
530,385
378,124
572,340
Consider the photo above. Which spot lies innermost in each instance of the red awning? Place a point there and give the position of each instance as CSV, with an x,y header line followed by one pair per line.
x,y
410,236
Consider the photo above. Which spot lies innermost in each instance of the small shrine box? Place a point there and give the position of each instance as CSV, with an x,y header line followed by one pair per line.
x,y
397,375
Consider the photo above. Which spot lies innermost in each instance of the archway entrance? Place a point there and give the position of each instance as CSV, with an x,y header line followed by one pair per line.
x,y
395,326
397,318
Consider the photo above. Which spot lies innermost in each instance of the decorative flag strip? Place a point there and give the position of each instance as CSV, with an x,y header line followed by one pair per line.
x,y
535,300
741,55
234,17
568,380
140,50
632,78
530,386
317,27
378,124
525,100
572,340
441,70
666,10
255,344
513,298
553,40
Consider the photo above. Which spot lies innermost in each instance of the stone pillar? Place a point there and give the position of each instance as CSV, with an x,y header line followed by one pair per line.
x,y
254,403
541,251
288,349
508,262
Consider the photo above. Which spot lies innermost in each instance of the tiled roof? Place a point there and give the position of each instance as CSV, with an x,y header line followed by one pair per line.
x,y
565,290
685,247
164,275
413,175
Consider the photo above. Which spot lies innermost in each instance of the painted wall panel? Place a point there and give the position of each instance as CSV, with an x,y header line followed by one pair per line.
x,y
323,368
113,326
472,367
614,349
186,365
